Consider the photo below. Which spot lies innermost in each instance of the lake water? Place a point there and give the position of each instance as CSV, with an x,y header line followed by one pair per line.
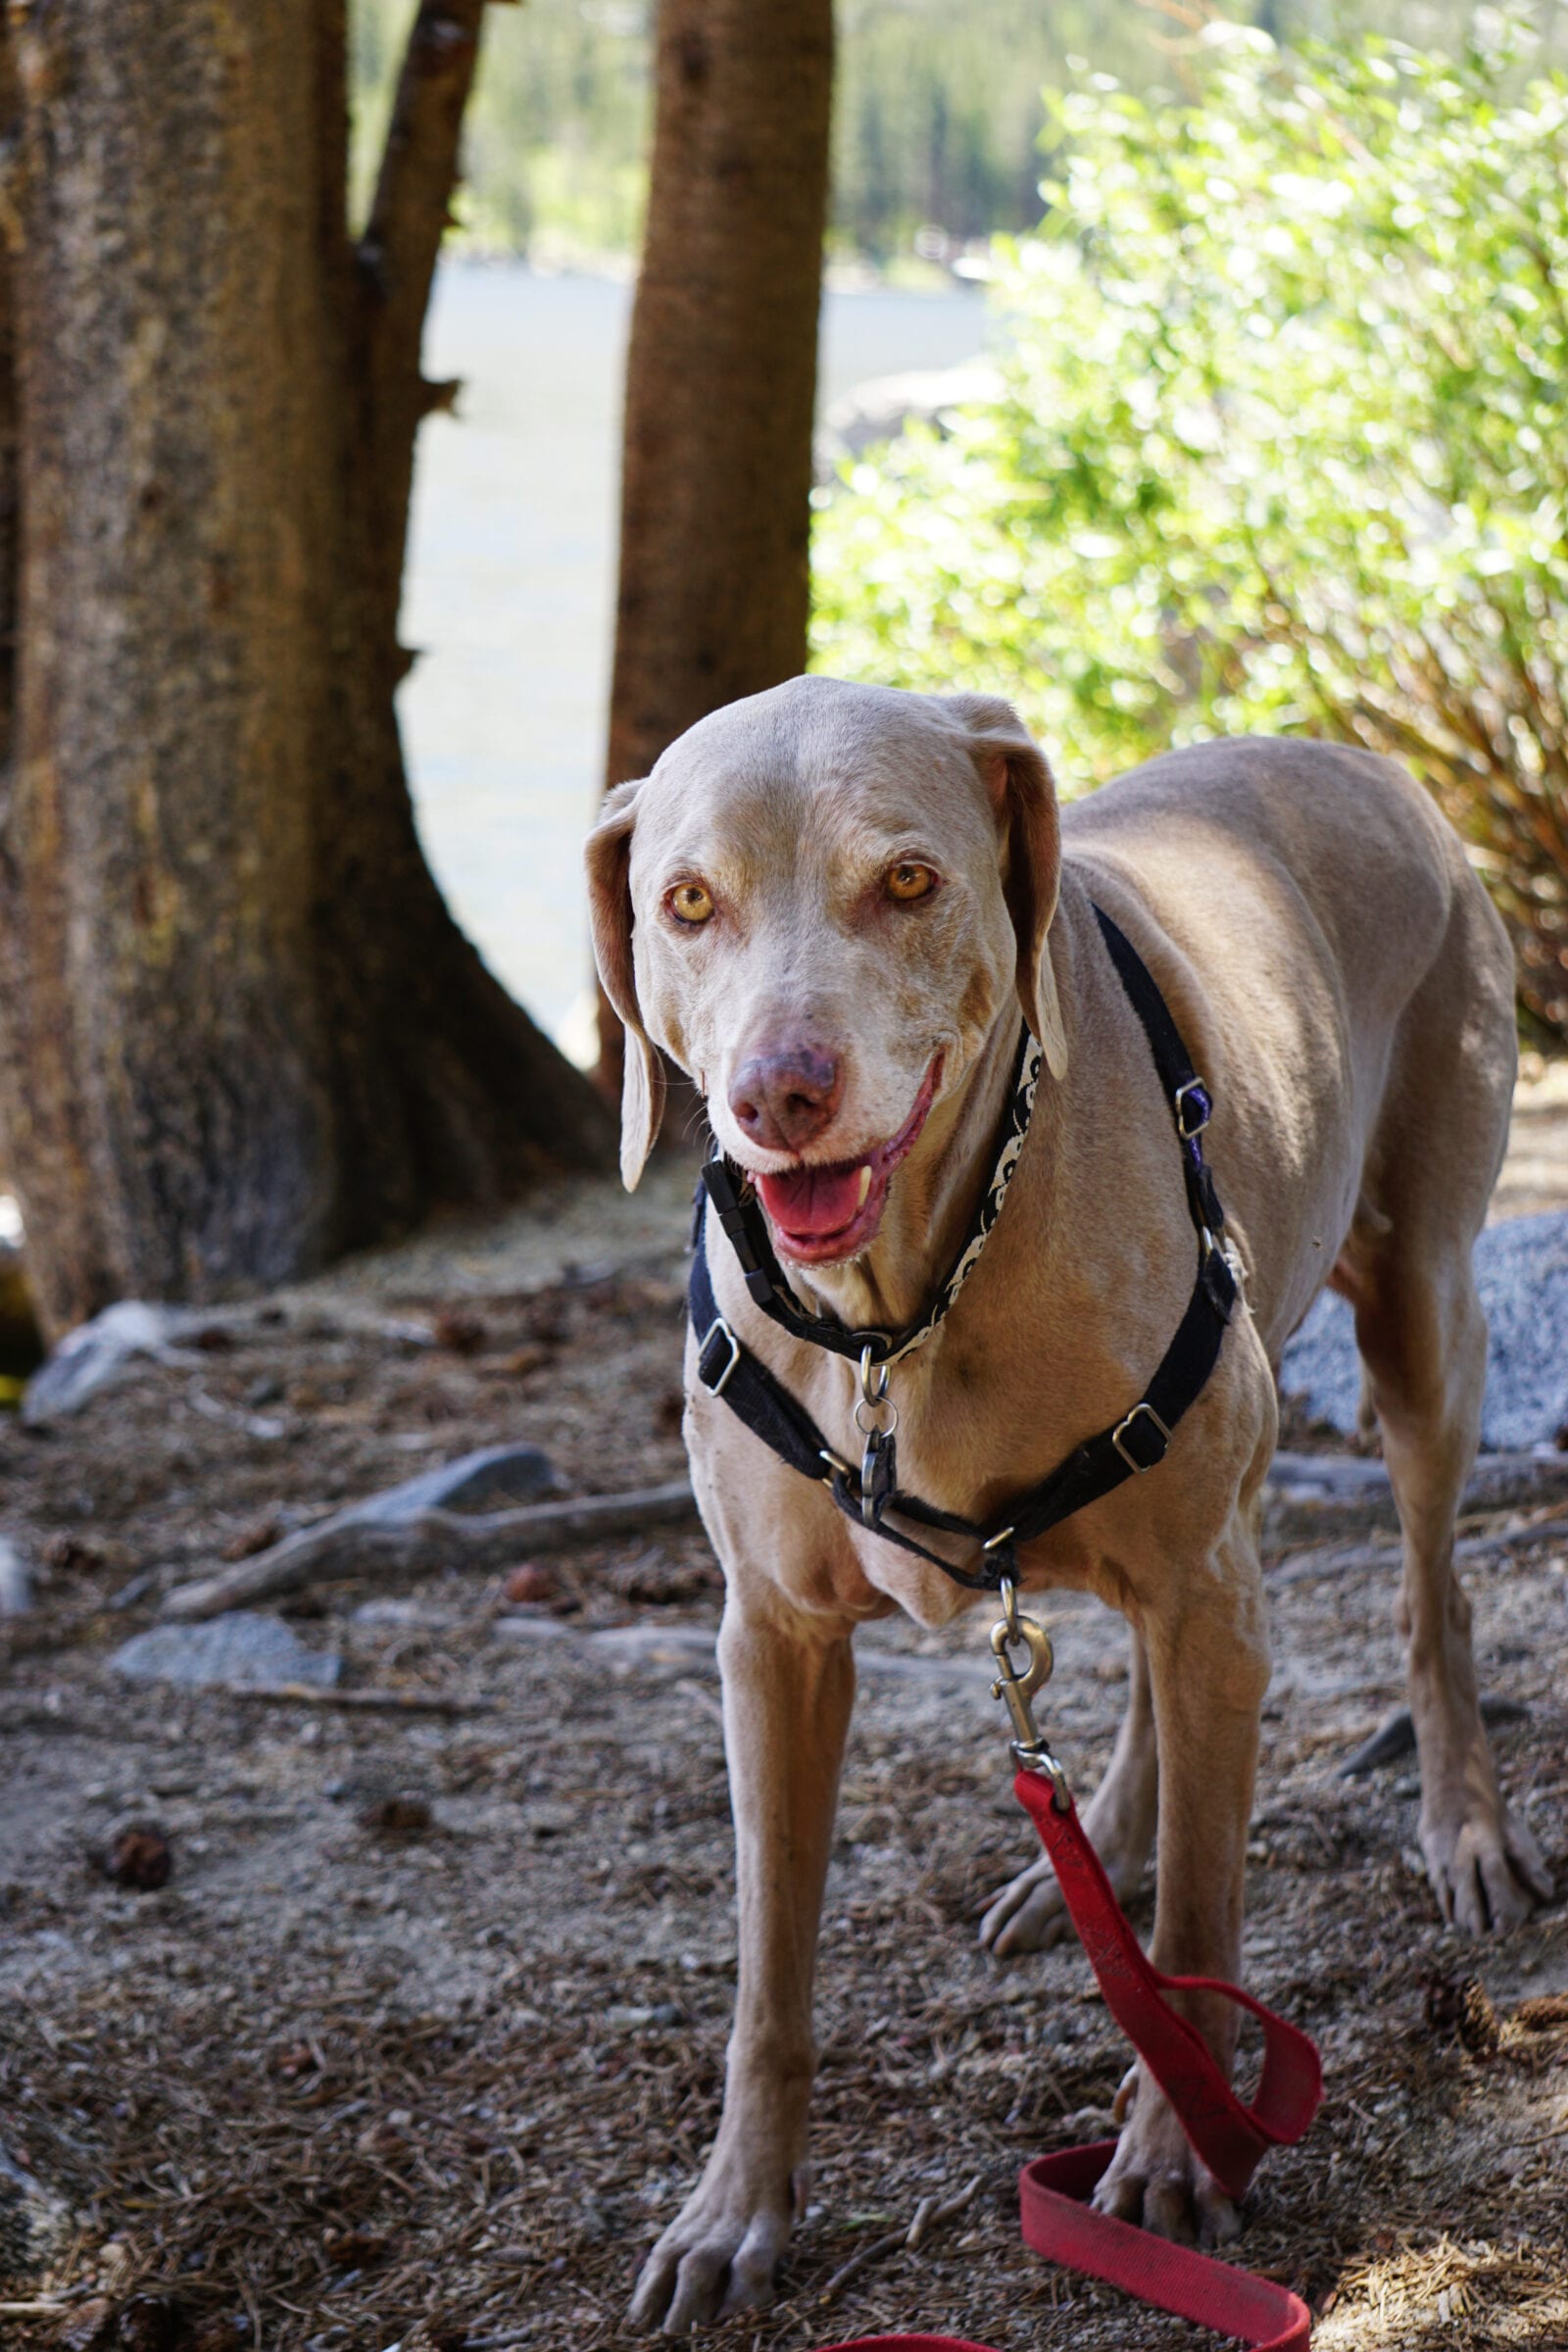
x,y
511,589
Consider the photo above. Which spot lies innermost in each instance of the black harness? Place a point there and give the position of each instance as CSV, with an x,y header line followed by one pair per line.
x,y
1137,1442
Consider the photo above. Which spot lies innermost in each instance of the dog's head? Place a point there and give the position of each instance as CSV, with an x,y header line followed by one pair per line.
x,y
818,904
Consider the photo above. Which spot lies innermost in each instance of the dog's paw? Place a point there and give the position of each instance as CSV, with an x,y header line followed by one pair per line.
x,y
719,2255
1487,1871
1027,1915
1155,2179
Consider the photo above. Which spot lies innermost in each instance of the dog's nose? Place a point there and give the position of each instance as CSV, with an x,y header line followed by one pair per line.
x,y
784,1100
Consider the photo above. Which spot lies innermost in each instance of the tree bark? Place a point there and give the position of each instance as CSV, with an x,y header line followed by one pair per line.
x,y
722,374
238,1030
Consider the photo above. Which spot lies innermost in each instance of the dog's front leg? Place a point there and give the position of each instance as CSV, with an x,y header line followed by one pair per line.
x,y
1209,1660
789,1685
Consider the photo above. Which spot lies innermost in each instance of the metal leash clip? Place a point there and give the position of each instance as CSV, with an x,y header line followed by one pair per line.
x,y
1015,1688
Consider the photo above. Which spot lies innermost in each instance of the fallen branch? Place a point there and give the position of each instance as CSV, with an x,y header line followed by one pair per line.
x,y
1395,1736
693,1645
1495,1478
411,1531
365,1703
1373,1557
1311,1497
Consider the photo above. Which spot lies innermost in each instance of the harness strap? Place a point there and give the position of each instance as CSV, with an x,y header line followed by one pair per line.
x,y
727,1368
1136,1444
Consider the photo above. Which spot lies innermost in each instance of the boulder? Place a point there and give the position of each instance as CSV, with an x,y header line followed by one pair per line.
x,y
1522,1274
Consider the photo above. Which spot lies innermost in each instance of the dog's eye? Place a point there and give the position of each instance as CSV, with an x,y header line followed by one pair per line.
x,y
690,903
908,880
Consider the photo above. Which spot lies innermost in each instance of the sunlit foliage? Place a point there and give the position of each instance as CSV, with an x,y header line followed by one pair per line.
x,y
1281,443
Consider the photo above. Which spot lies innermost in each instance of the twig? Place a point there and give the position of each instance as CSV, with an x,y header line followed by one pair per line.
x,y
31,2311
227,1416
928,2216
366,1702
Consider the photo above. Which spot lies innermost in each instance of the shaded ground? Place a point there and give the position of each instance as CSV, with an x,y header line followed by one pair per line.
x,y
344,2084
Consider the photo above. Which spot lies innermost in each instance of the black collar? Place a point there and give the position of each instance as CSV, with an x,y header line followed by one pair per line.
x,y
1136,1444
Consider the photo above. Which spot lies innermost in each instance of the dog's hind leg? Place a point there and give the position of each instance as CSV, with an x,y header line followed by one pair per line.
x,y
1028,1914
1419,1324
1423,1339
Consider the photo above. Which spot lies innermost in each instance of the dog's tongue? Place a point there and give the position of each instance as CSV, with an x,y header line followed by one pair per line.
x,y
812,1200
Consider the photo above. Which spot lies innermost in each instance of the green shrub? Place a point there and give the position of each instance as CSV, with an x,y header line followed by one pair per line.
x,y
1282,444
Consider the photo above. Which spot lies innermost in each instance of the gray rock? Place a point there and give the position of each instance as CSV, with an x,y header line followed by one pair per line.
x,y
1522,1274
16,1584
94,1355
235,1652
496,1478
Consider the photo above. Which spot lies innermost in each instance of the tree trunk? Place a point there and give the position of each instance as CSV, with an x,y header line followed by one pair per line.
x,y
238,1030
722,374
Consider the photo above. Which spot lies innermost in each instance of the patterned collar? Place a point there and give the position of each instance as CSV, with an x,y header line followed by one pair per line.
x,y
736,1206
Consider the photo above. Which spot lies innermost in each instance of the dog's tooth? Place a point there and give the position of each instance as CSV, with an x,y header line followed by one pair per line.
x,y
865,1183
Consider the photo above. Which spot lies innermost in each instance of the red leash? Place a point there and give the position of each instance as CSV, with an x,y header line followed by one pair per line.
x,y
1231,2137
1229,2134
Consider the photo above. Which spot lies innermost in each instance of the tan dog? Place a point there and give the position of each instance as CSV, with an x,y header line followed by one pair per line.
x,y
827,904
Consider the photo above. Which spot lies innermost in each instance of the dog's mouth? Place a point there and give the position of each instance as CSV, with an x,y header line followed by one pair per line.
x,y
831,1210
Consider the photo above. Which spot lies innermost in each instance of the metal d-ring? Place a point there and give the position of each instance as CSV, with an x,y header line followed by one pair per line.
x,y
874,1399
875,1404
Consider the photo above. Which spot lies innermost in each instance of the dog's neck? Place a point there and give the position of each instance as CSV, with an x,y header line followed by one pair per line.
x,y
931,1200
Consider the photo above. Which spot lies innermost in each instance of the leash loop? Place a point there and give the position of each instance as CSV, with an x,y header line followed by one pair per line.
x,y
1227,2133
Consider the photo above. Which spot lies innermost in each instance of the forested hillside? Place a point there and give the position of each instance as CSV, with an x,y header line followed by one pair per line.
x,y
937,108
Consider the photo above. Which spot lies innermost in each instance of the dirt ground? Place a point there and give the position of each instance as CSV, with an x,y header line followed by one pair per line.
x,y
421,2042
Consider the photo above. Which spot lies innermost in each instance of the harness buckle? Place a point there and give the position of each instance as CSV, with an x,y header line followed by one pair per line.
x,y
1192,1116
1160,1439
717,1381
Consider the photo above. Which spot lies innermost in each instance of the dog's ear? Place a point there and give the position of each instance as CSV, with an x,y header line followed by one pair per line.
x,y
1022,794
641,1090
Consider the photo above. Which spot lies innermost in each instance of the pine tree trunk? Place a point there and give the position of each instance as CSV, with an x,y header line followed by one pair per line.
x,y
238,1030
722,374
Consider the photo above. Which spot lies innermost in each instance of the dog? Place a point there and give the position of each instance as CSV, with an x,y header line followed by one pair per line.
x,y
833,906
